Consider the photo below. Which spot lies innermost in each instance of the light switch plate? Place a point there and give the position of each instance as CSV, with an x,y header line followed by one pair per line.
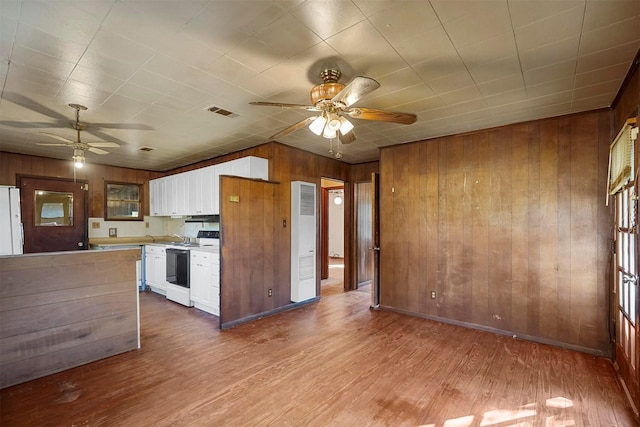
x,y
113,232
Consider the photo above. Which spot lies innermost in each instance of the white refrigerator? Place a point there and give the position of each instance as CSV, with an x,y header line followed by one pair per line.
x,y
11,234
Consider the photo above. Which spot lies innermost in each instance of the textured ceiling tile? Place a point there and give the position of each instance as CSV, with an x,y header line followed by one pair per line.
x,y
487,71
552,53
550,72
620,33
526,12
614,72
508,83
357,41
484,20
555,28
327,17
600,14
425,45
614,55
397,23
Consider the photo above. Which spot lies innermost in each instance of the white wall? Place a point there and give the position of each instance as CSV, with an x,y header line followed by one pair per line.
x,y
336,224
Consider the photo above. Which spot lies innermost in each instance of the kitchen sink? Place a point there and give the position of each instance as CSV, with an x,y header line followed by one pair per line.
x,y
185,244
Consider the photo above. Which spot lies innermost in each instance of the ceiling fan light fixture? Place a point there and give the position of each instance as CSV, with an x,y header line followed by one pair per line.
x,y
78,159
328,132
317,125
345,126
333,122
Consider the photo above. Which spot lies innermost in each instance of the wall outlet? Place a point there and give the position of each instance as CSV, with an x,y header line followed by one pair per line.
x,y
95,225
433,294
270,292
113,232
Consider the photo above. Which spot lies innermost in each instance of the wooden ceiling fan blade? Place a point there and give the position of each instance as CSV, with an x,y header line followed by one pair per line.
x,y
97,150
58,137
347,138
52,144
283,105
294,127
356,89
382,115
103,144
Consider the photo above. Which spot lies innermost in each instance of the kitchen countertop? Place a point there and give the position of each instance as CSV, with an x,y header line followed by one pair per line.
x,y
135,240
211,249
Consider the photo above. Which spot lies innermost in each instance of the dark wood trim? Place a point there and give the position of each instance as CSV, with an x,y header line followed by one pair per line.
x,y
277,310
324,233
554,343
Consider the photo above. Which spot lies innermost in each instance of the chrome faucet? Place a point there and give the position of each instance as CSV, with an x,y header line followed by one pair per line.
x,y
153,240
183,238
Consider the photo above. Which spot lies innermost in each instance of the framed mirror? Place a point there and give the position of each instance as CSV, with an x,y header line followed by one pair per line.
x,y
122,201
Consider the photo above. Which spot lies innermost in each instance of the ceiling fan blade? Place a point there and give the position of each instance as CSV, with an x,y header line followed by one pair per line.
x,y
382,115
103,144
348,138
32,105
52,144
294,127
61,138
97,150
281,105
28,125
103,136
356,89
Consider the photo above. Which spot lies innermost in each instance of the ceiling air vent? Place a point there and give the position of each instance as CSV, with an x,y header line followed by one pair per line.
x,y
146,148
221,111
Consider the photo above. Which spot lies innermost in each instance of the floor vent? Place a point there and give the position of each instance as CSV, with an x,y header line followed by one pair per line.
x,y
221,111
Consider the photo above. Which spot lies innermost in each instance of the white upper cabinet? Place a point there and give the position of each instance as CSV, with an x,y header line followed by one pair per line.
x,y
197,192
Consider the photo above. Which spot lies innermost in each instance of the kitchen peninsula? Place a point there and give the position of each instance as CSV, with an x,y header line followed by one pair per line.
x,y
59,310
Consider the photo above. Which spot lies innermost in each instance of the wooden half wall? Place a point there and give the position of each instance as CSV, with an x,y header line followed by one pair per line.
x,y
507,226
65,309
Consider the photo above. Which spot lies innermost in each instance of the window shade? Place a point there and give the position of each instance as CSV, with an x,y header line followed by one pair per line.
x,y
621,156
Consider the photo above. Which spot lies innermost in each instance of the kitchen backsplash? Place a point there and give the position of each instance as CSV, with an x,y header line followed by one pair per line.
x,y
151,225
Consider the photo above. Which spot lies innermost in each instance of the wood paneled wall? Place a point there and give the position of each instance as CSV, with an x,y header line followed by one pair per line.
x,y
65,309
509,227
12,165
361,172
364,232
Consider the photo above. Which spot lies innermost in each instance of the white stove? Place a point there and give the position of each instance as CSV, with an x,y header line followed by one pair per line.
x,y
209,238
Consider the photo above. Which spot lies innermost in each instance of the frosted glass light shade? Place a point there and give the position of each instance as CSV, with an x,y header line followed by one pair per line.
x,y
345,126
317,125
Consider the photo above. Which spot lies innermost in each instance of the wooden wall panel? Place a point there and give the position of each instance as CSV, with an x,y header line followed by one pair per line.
x,y
508,223
12,164
63,310
362,171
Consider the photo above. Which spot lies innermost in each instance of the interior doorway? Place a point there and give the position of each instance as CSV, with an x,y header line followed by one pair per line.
x,y
332,234
54,214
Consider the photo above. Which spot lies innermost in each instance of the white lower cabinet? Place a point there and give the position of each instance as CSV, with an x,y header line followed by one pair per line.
x,y
205,281
155,268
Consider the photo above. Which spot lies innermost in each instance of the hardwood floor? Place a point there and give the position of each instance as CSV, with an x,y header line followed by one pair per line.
x,y
332,363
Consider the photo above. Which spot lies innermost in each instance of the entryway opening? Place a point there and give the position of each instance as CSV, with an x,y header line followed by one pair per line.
x,y
332,236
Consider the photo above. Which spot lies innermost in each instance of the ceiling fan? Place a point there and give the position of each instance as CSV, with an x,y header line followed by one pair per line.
x,y
333,101
78,146
62,121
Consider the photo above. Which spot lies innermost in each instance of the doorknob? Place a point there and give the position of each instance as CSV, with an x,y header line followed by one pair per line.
x,y
80,244
375,248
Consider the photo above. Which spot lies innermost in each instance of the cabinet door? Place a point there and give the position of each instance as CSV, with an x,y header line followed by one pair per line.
x,y
149,269
195,280
208,197
182,202
259,168
194,193
155,198
171,198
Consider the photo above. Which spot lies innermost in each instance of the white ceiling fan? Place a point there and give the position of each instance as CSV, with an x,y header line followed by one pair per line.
x,y
78,146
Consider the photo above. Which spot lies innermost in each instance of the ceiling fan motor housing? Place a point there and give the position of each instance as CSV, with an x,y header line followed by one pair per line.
x,y
327,90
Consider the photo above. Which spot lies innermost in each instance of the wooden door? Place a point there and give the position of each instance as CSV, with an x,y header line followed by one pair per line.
x,y
252,238
375,239
626,287
54,214
364,230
